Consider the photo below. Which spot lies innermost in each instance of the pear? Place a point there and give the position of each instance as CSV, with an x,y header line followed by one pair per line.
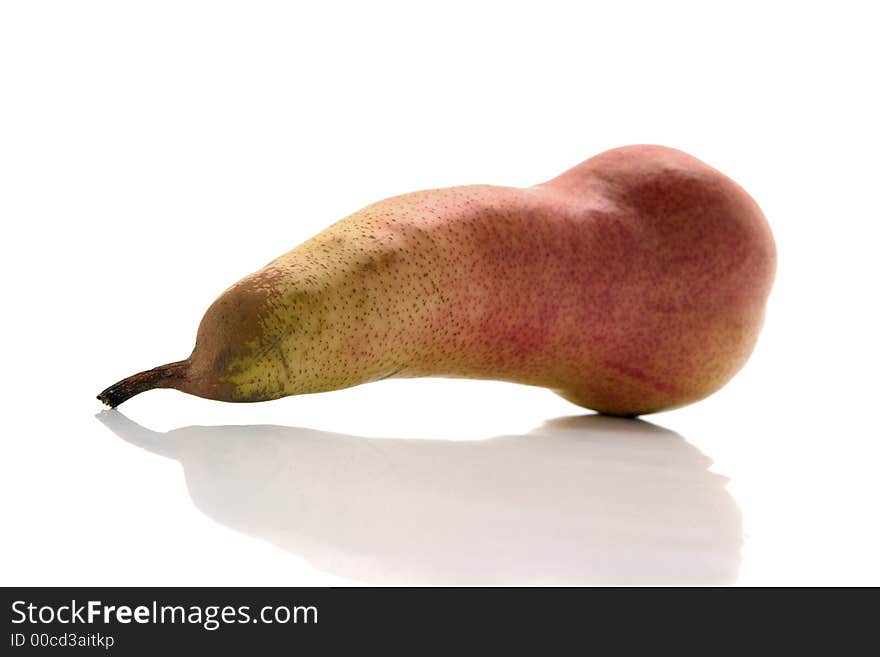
x,y
632,283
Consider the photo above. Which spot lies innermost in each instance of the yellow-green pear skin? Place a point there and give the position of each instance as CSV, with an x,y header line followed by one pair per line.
x,y
632,283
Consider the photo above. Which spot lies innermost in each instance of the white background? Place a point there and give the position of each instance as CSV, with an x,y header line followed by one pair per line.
x,y
153,153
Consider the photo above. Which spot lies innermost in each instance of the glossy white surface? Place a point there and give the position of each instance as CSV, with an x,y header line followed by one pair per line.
x,y
151,156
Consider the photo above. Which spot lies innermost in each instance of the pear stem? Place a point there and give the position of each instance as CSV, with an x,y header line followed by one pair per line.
x,y
164,376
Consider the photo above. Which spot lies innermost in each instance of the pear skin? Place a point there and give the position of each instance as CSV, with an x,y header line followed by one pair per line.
x,y
632,283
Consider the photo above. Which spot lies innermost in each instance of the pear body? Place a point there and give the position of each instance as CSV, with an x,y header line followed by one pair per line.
x,y
634,282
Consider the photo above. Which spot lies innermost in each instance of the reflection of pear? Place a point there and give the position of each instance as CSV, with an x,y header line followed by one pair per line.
x,y
579,500
634,282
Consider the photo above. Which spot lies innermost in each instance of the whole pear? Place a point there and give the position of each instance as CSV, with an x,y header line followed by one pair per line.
x,y
632,283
